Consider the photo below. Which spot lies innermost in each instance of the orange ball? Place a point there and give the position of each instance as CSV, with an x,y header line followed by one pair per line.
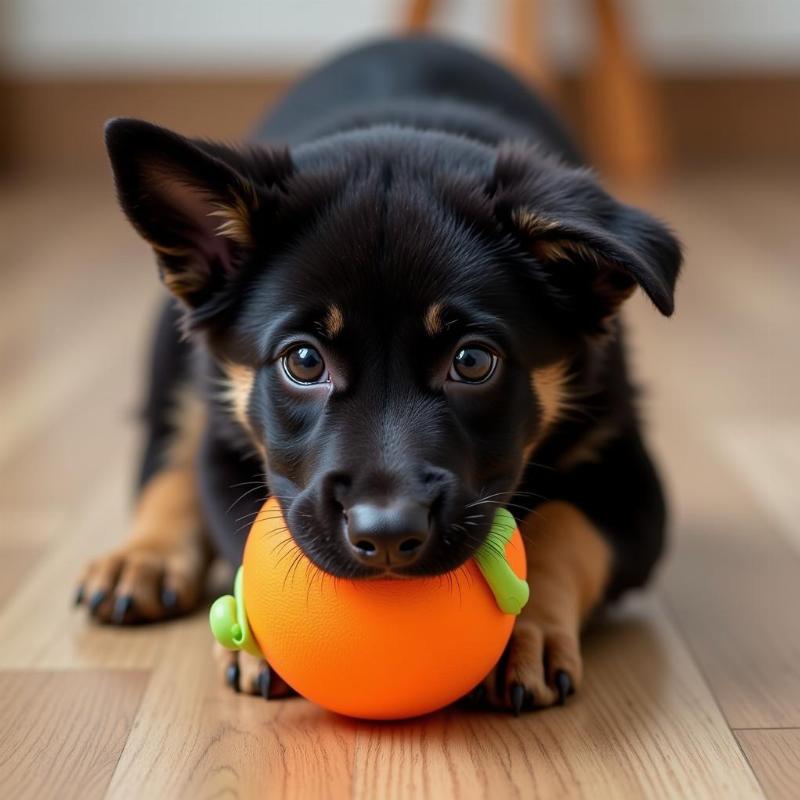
x,y
375,649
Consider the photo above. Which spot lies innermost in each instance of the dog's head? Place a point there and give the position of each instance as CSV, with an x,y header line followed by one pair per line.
x,y
394,312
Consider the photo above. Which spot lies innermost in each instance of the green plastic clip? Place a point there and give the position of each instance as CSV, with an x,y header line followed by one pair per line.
x,y
510,592
228,620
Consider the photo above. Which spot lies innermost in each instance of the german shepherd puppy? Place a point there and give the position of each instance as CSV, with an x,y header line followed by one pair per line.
x,y
396,310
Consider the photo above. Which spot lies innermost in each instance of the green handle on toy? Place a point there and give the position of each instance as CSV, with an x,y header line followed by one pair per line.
x,y
228,617
228,621
510,592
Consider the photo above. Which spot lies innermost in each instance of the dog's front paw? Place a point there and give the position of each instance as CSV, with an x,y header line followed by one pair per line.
x,y
250,675
141,582
541,667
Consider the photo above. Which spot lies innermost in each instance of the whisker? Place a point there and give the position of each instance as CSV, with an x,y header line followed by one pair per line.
x,y
297,559
246,494
247,483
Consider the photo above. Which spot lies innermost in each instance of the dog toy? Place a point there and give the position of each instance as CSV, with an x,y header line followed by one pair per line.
x,y
374,649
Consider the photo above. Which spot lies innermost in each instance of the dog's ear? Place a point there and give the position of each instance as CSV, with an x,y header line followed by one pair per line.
x,y
193,201
590,250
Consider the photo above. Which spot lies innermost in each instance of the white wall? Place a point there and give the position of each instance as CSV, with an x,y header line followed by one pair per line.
x,y
80,36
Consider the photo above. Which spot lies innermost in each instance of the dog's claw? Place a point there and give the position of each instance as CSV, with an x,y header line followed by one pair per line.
x,y
264,679
563,686
122,605
78,596
530,700
232,677
96,600
517,693
169,599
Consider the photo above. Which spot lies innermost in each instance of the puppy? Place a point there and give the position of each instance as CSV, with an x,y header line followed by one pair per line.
x,y
396,311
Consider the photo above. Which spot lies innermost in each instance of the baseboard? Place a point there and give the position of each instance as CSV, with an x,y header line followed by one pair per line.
x,y
57,123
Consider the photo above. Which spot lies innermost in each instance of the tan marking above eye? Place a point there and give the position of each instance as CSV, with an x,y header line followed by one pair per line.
x,y
333,323
433,319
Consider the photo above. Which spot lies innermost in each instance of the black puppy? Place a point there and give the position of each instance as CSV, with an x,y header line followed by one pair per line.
x,y
397,312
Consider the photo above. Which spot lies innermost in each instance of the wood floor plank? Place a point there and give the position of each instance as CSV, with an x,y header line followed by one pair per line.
x,y
48,381
39,628
732,583
206,741
29,525
16,561
644,726
62,732
24,536
721,407
57,464
727,349
766,455
775,757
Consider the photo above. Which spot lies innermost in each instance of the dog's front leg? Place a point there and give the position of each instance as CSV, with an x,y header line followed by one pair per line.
x,y
160,569
568,570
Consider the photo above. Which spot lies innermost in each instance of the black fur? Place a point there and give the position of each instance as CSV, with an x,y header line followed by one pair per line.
x,y
391,179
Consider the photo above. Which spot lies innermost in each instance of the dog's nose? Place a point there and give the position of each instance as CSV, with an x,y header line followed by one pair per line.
x,y
390,535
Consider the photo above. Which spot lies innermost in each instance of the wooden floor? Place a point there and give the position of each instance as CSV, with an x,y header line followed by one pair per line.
x,y
692,690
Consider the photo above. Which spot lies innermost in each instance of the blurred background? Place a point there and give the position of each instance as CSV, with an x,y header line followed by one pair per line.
x,y
722,76
690,108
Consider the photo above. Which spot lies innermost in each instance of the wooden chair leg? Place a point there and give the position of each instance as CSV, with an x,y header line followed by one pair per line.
x,y
418,15
525,49
625,130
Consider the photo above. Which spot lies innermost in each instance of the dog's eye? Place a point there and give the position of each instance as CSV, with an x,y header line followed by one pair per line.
x,y
304,364
472,364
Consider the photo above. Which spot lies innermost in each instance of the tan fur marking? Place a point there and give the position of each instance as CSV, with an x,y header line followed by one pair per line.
x,y
546,246
588,448
550,249
236,391
168,508
563,250
179,252
549,386
182,283
433,319
333,322
235,214
531,223
569,565
235,223
189,419
167,514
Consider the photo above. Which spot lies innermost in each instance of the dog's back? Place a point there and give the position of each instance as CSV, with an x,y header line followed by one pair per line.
x,y
418,82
